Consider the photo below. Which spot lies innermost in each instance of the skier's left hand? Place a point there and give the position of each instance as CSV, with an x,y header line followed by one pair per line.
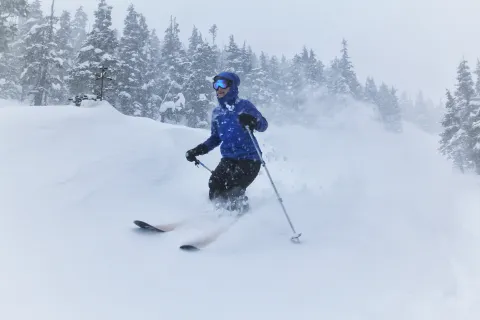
x,y
247,120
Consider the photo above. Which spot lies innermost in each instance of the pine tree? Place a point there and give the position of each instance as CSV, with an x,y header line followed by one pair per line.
x,y
463,96
477,83
295,84
9,72
388,106
99,50
174,69
9,76
371,90
453,136
348,73
458,126
394,116
337,84
10,9
30,23
234,58
474,132
133,57
213,31
65,56
465,86
248,61
274,76
78,27
261,92
152,77
314,69
40,56
199,93
195,40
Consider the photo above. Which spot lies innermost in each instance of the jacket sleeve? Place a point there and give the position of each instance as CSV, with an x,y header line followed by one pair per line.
x,y
262,123
214,140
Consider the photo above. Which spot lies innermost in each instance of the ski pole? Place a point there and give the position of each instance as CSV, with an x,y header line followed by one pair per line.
x,y
296,235
198,162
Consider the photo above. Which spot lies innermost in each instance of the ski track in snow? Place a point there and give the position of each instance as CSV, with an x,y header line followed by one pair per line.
x,y
389,232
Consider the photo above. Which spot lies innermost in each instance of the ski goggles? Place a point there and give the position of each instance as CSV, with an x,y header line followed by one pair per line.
x,y
221,83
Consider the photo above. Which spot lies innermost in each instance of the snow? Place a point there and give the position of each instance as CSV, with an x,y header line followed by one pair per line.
x,y
173,105
87,48
167,105
389,231
60,61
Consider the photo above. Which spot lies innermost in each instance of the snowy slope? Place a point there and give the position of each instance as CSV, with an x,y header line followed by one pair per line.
x,y
388,231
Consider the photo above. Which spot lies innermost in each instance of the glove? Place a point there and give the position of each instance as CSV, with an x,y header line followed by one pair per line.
x,y
247,120
197,151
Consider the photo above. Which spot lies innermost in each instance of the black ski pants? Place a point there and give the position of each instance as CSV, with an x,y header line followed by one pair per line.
x,y
231,178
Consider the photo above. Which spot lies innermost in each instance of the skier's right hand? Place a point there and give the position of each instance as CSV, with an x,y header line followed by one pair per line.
x,y
197,151
190,155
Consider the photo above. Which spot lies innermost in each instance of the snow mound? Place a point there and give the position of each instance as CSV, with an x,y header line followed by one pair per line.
x,y
389,232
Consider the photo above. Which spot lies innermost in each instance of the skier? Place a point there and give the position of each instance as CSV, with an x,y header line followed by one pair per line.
x,y
240,162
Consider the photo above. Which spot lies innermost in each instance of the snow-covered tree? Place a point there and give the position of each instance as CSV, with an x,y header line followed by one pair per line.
x,y
295,83
9,66
336,82
313,70
133,56
249,61
347,70
10,9
464,93
64,58
261,90
275,81
194,41
477,83
79,32
465,90
234,59
152,77
99,50
213,31
38,75
175,72
199,93
371,90
473,123
453,137
388,106
458,122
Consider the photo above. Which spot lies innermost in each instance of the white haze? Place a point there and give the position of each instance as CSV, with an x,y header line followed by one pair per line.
x,y
411,44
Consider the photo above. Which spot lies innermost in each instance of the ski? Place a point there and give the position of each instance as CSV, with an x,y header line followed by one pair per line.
x,y
205,240
156,228
222,223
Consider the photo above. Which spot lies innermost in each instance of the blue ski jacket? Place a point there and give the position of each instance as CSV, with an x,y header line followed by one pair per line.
x,y
227,131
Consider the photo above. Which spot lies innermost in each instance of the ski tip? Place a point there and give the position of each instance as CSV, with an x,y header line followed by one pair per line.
x,y
138,222
189,247
146,226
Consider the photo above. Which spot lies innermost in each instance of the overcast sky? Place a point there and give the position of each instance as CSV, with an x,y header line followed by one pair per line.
x,y
411,44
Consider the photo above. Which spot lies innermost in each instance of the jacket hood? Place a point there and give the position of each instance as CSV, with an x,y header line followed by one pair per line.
x,y
232,95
